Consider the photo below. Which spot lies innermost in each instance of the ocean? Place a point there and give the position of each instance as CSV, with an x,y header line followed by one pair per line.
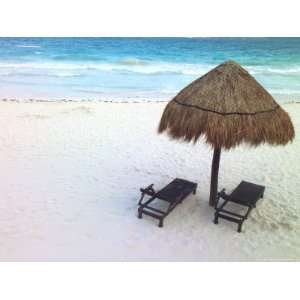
x,y
124,69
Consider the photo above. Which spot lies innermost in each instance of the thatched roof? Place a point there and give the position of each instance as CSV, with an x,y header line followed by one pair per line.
x,y
228,107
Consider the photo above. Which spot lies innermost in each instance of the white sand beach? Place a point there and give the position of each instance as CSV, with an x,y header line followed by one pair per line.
x,y
70,179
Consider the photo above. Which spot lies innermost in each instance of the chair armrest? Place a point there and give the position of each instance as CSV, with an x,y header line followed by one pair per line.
x,y
221,194
149,190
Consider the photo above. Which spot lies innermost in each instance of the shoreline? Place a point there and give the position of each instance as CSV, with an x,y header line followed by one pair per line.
x,y
129,101
82,100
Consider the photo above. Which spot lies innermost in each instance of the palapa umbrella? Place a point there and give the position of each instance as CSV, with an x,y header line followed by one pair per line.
x,y
228,107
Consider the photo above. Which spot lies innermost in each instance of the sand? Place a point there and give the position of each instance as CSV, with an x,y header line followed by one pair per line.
x,y
70,179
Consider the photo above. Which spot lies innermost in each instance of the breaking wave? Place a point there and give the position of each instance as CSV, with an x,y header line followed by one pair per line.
x,y
130,66
28,46
144,67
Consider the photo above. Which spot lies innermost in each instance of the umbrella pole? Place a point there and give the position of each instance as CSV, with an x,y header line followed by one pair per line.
x,y
214,176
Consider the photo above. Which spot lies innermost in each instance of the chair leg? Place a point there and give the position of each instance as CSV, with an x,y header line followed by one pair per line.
x,y
161,223
140,214
248,211
240,227
216,220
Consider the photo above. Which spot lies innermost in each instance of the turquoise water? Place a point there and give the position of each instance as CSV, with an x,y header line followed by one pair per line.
x,y
139,68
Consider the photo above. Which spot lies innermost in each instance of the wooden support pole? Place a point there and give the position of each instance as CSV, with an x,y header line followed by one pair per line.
x,y
214,176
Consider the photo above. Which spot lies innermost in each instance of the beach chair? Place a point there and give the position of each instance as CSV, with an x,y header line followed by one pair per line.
x,y
245,194
172,194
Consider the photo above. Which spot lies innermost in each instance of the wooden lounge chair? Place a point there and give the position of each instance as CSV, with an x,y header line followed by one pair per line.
x,y
246,194
173,194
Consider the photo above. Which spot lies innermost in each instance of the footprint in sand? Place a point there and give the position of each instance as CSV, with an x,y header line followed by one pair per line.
x,y
34,116
84,109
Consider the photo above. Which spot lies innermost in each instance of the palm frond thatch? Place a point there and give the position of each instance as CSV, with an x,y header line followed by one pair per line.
x,y
228,107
